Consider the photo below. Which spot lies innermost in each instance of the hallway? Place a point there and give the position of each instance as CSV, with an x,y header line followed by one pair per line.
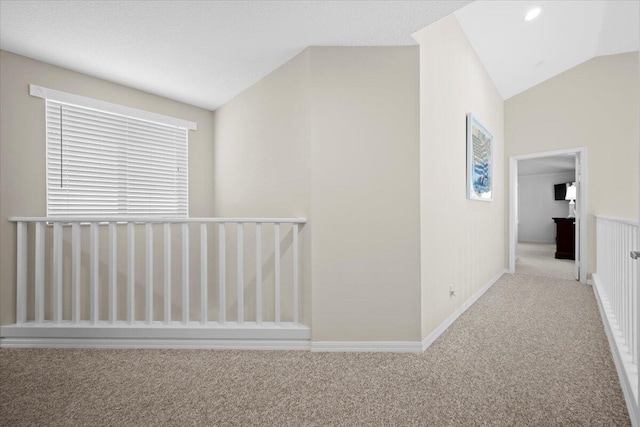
x,y
530,351
537,259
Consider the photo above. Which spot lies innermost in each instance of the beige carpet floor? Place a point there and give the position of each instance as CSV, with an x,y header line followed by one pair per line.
x,y
531,352
538,259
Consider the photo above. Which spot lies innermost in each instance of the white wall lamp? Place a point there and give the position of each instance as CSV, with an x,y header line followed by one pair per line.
x,y
571,196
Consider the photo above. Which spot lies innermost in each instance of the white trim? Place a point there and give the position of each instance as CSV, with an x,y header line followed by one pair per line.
x,y
549,173
195,335
404,346
513,177
430,339
548,153
141,330
622,220
367,346
82,101
627,371
156,220
154,343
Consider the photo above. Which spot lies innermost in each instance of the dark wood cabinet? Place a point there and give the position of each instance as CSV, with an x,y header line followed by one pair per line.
x,y
565,238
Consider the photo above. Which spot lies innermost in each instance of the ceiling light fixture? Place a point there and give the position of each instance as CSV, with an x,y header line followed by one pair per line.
x,y
532,14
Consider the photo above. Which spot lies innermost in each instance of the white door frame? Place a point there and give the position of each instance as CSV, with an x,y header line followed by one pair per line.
x,y
581,253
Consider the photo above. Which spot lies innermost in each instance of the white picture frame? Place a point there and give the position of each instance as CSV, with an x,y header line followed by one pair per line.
x,y
479,161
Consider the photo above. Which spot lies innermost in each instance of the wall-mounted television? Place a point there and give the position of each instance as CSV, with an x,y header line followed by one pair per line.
x,y
560,190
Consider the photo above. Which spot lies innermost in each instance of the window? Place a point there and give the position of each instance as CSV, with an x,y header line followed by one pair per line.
x,y
122,163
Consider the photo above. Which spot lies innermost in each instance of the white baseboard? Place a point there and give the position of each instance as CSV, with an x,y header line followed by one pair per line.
x,y
627,372
367,346
157,330
220,344
429,339
231,335
403,346
178,337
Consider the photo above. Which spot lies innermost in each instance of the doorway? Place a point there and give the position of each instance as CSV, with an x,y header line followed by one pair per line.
x,y
547,229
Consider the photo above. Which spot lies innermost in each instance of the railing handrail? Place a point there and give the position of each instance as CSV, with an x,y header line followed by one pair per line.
x,y
615,283
159,220
616,219
73,248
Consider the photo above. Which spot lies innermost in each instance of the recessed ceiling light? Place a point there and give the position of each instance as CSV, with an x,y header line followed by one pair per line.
x,y
532,14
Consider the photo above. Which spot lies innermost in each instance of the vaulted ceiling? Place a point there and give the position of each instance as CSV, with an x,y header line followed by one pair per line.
x,y
206,52
201,52
519,54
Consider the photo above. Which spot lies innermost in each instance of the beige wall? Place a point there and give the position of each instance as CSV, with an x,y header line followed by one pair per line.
x,y
333,136
22,150
593,105
366,190
462,240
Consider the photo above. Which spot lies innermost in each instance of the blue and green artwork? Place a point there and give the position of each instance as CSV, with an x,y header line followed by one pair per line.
x,y
479,160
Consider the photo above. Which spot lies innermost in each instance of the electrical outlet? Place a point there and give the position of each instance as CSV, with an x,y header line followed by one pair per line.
x,y
452,291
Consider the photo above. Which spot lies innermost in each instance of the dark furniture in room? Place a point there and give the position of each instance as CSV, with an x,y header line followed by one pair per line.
x,y
565,238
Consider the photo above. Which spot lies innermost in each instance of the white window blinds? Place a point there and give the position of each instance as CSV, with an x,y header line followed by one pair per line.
x,y
101,164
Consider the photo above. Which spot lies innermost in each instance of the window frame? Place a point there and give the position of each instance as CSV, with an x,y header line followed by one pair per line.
x,y
109,108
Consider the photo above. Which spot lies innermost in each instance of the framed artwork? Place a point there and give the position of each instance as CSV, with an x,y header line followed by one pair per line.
x,y
479,161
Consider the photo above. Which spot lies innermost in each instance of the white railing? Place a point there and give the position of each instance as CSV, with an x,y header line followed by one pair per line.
x,y
66,278
616,281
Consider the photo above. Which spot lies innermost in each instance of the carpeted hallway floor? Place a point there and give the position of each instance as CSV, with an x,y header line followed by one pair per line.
x,y
531,351
538,259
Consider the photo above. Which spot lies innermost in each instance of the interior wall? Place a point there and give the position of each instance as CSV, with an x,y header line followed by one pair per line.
x,y
462,241
22,162
365,181
333,136
593,105
537,205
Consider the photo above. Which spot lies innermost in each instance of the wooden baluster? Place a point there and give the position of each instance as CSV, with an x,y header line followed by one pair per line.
x,y
113,273
276,233
39,267
204,307
167,273
258,273
57,272
185,273
295,274
76,263
21,273
131,272
149,272
94,274
240,272
222,284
